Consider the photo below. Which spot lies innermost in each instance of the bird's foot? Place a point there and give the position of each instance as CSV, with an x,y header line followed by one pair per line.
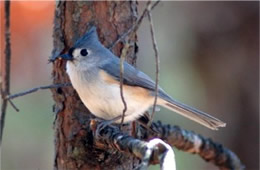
x,y
102,125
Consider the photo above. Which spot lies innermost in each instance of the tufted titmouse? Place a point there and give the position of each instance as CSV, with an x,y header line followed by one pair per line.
x,y
94,72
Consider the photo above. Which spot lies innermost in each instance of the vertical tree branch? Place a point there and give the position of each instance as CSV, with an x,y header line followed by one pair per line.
x,y
157,60
131,32
5,85
122,59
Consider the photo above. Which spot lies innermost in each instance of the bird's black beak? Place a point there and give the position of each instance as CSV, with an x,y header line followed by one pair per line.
x,y
61,57
65,57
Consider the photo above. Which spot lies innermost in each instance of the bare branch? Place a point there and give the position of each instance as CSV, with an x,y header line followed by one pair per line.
x,y
154,5
5,85
193,143
122,59
132,30
129,33
13,105
36,89
157,60
152,152
181,139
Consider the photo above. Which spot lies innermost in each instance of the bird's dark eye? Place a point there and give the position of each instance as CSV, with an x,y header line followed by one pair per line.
x,y
84,52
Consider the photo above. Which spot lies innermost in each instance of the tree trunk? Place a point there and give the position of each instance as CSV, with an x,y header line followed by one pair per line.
x,y
74,146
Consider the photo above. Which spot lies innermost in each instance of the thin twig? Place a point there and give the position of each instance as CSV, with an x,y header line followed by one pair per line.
x,y
36,89
6,81
154,5
122,59
132,30
157,59
13,105
129,33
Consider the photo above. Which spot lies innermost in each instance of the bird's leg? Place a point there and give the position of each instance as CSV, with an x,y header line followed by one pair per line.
x,y
104,123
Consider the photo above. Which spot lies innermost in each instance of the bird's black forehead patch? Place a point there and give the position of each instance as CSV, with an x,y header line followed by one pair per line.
x,y
71,51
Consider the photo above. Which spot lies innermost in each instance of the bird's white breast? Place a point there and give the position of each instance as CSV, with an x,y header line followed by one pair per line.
x,y
103,98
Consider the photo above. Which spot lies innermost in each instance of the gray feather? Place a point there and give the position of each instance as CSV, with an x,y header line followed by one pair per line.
x,y
88,39
131,76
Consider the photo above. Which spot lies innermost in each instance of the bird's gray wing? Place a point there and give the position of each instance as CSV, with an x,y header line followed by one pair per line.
x,y
131,76
134,77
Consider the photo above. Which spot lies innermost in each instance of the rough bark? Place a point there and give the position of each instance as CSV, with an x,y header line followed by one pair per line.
x,y
74,142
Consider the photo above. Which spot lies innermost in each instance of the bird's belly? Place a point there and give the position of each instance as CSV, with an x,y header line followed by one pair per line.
x,y
105,101
102,97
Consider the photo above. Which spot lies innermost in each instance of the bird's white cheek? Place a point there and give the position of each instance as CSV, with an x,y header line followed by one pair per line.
x,y
68,67
71,68
72,72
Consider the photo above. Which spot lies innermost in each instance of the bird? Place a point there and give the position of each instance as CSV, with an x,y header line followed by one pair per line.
x,y
94,72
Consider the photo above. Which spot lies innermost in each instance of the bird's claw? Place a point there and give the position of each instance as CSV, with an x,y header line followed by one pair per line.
x,y
103,124
100,126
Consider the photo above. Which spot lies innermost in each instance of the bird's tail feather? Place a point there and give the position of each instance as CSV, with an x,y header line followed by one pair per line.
x,y
193,114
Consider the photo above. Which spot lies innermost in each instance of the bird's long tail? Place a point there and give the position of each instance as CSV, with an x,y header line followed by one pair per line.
x,y
191,113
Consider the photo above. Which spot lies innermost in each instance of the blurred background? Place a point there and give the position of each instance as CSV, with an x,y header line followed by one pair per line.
x,y
208,57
